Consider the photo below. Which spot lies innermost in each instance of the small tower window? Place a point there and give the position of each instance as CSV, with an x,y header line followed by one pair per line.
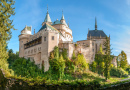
x,y
93,44
44,38
52,37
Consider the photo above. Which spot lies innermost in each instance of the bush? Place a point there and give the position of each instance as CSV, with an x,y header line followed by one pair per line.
x,y
26,68
118,72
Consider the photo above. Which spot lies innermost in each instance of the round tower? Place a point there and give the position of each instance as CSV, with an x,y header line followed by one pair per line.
x,y
23,39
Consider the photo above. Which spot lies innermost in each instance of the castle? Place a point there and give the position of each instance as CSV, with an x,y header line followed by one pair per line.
x,y
38,46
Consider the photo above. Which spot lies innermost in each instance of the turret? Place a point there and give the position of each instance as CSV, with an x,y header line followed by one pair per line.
x,y
63,20
47,18
23,38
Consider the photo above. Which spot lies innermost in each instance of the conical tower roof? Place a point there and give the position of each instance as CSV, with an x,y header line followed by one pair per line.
x,y
63,19
47,18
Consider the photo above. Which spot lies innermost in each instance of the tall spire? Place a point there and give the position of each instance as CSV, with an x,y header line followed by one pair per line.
x,y
95,23
47,9
62,18
47,18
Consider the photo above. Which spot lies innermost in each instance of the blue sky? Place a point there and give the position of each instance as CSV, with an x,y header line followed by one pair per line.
x,y
113,17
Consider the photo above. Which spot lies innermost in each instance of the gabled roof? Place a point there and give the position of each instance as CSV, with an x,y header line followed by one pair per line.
x,y
46,25
96,33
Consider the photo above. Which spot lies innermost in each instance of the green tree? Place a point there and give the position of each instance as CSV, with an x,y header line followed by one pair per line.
x,y
6,11
73,55
107,58
56,52
80,62
123,60
94,66
61,66
64,54
100,50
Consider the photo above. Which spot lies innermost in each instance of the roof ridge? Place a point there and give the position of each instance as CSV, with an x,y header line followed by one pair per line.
x,y
51,26
54,28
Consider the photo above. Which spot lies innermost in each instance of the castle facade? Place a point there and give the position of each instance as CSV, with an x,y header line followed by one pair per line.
x,y
38,46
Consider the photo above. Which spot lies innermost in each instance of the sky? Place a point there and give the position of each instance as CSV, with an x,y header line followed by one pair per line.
x,y
113,17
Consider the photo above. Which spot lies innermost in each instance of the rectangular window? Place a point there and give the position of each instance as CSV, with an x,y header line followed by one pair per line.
x,y
44,38
52,37
93,44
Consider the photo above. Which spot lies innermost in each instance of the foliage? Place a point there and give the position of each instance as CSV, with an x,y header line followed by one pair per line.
x,y
99,59
64,54
73,55
70,67
6,11
80,62
26,68
57,64
128,69
107,58
118,72
56,52
100,50
12,57
123,60
94,66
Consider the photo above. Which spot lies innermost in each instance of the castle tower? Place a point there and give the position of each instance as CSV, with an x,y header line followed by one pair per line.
x,y
23,38
47,18
63,19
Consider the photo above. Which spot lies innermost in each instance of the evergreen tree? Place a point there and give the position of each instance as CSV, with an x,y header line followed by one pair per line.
x,y
123,60
107,58
6,11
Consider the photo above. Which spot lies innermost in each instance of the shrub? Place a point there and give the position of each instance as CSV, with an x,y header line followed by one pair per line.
x,y
118,72
26,68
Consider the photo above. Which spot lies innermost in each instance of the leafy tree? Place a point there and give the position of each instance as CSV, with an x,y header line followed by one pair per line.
x,y
123,60
6,11
61,66
64,54
51,57
94,66
81,62
107,58
102,64
57,63
12,56
56,52
26,68
118,72
73,55
100,50
99,59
